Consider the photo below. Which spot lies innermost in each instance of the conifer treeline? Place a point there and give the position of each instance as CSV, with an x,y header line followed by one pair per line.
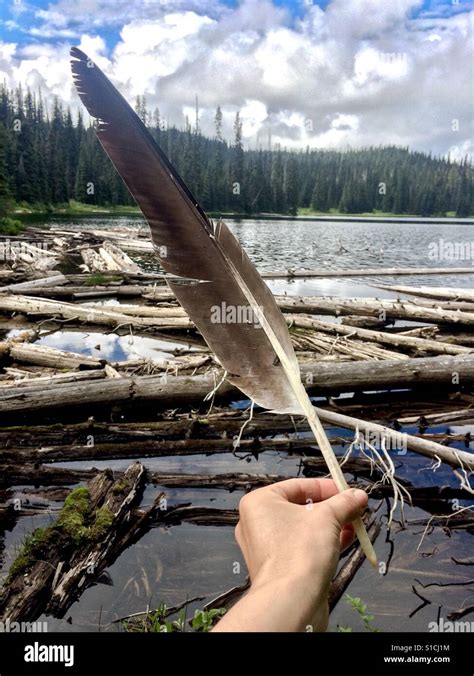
x,y
52,159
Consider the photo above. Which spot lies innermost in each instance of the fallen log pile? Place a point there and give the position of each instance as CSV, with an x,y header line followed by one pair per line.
x,y
401,365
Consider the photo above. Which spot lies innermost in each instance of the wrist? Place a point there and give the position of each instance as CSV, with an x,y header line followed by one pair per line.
x,y
298,598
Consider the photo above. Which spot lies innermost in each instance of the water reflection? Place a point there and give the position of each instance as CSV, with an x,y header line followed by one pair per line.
x,y
279,245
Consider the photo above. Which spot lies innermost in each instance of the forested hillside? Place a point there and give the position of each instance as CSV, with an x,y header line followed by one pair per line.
x,y
53,158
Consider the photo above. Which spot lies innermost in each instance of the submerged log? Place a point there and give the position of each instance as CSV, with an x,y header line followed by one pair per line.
x,y
148,448
15,474
350,567
218,426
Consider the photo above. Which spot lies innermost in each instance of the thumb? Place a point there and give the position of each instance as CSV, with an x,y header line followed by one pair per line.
x,y
348,505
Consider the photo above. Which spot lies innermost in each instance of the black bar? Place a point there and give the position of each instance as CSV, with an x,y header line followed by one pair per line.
x,y
332,653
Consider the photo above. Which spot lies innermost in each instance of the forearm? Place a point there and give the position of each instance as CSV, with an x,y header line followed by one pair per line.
x,y
287,604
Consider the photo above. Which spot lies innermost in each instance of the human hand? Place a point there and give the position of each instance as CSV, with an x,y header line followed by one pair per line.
x,y
291,534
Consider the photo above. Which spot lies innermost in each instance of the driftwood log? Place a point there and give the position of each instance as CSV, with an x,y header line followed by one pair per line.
x,y
449,372
381,308
395,339
50,578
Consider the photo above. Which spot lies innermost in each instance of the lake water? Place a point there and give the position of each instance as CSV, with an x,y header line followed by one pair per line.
x,y
170,565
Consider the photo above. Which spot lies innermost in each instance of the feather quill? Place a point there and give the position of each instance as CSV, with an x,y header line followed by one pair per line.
x,y
210,273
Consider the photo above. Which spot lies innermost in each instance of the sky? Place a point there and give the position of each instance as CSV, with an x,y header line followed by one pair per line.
x,y
327,74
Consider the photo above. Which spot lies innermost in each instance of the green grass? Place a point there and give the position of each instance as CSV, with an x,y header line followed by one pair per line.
x,y
34,546
307,211
156,621
72,208
10,226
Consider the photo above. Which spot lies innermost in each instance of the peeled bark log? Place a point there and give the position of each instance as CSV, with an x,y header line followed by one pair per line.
x,y
31,381
398,340
50,308
366,272
44,282
96,291
320,377
441,292
123,261
375,308
48,356
430,449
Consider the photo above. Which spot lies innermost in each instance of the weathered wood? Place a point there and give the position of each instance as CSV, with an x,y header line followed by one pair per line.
x,y
201,516
15,474
366,272
454,457
321,377
43,282
144,310
395,339
147,448
364,322
93,261
95,291
349,568
398,309
50,308
197,427
441,292
340,345
43,355
231,481
56,576
122,261
31,380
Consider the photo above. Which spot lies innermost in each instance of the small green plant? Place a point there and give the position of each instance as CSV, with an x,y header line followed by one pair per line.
x,y
157,621
361,609
33,547
203,620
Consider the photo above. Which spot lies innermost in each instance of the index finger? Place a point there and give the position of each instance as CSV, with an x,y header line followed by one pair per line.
x,y
302,491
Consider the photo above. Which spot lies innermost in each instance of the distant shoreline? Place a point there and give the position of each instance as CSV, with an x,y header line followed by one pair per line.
x,y
89,211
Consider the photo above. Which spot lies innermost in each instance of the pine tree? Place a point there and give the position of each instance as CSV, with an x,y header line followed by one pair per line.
x,y
4,191
218,123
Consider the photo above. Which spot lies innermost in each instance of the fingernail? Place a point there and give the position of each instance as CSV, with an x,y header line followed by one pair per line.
x,y
360,495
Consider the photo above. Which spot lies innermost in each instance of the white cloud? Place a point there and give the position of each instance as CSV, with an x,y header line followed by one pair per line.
x,y
361,72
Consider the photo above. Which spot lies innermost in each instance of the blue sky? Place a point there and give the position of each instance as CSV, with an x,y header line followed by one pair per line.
x,y
330,73
18,18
